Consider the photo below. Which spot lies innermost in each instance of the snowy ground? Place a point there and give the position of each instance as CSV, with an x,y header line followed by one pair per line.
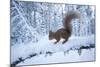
x,y
59,57
45,45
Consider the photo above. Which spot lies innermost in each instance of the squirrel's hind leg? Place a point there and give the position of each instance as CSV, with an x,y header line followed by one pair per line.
x,y
65,40
57,41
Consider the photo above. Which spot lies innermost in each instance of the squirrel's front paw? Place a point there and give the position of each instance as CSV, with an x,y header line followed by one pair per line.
x,y
55,42
63,42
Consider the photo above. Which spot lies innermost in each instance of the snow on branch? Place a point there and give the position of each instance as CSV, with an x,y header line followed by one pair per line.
x,y
21,52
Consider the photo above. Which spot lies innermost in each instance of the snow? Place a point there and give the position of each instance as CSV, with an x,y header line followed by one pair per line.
x,y
45,45
31,23
59,57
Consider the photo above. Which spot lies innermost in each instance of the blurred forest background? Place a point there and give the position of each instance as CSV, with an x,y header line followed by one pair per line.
x,y
32,20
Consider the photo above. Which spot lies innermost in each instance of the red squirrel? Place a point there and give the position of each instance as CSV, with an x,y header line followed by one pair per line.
x,y
65,32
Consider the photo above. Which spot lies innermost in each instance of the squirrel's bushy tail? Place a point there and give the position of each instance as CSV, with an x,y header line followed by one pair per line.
x,y
68,19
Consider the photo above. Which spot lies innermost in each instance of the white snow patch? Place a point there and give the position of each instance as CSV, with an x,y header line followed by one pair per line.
x,y
44,45
59,57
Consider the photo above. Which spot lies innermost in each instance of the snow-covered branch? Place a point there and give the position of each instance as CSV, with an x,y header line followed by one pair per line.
x,y
47,47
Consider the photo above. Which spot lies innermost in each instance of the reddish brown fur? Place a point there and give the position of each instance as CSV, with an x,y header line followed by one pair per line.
x,y
65,32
